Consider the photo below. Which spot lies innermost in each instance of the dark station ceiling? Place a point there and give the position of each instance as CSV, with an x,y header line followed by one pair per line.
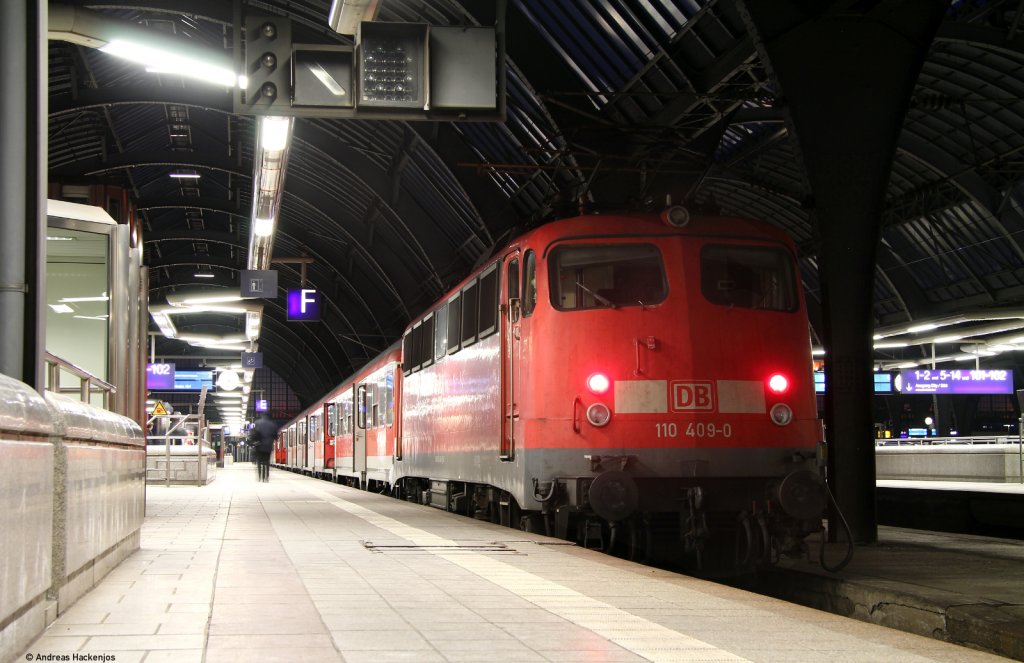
x,y
611,104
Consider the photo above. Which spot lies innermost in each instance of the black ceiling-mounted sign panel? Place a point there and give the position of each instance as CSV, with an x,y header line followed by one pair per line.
x,y
323,76
267,60
463,68
395,71
392,65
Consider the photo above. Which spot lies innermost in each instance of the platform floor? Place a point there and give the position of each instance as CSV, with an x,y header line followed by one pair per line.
x,y
300,570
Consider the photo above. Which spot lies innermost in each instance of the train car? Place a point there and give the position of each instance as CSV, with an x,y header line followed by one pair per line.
x,y
362,426
349,435
621,379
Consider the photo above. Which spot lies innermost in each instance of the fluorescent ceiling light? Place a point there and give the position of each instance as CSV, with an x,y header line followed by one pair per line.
x,y
921,328
185,176
274,133
204,276
883,346
199,298
160,61
62,308
346,15
263,227
66,300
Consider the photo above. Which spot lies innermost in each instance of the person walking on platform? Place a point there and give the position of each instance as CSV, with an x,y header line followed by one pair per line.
x,y
261,439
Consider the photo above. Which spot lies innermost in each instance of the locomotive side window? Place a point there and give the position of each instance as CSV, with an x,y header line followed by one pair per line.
x,y
425,356
441,332
529,283
606,276
748,277
489,302
454,324
470,308
407,353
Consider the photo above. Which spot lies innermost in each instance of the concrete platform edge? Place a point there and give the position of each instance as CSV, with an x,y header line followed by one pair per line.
x,y
996,628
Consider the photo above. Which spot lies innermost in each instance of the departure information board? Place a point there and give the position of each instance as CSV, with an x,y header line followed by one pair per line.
x,y
935,381
193,380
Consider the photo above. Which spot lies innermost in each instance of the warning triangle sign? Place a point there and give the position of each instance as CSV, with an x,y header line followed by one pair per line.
x,y
159,410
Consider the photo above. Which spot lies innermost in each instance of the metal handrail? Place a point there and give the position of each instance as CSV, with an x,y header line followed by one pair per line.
x,y
88,383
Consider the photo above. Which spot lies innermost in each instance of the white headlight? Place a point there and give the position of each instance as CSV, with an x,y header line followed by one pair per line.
x,y
598,414
781,414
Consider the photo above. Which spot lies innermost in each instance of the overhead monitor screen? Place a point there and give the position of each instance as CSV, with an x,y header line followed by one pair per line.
x,y
193,380
883,382
934,381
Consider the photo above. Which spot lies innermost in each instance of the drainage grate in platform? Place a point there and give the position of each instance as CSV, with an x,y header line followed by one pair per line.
x,y
433,549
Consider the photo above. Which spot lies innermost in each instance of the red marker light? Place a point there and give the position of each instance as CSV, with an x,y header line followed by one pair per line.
x,y
598,383
778,383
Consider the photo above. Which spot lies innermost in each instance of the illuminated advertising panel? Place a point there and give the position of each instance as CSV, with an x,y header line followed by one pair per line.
x,y
935,381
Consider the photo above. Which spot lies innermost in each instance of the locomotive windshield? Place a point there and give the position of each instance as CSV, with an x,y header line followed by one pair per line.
x,y
748,277
606,276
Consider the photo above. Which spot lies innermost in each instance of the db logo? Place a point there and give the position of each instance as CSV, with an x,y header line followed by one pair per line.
x,y
692,396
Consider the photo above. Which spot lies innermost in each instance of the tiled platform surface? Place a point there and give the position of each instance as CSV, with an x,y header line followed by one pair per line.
x,y
298,570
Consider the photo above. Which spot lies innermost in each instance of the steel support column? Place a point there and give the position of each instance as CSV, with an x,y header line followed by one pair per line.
x,y
22,190
846,72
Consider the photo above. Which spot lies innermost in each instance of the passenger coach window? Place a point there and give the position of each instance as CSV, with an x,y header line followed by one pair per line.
x,y
748,277
606,276
389,396
332,419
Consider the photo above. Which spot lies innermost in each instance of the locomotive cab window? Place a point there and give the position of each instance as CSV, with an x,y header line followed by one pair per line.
x,y
754,277
606,276
529,283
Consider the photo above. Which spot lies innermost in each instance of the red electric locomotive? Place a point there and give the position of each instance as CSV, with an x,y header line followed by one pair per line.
x,y
633,381
612,370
